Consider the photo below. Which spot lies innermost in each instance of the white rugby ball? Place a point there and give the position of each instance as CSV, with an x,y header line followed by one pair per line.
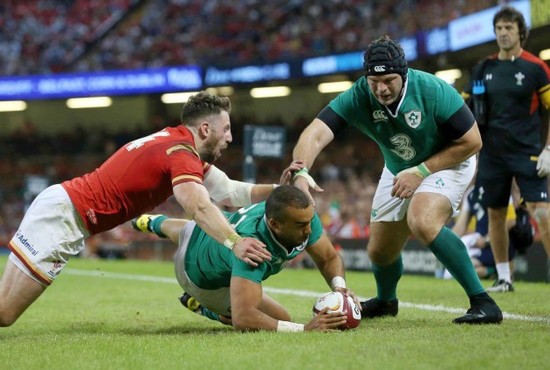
x,y
338,302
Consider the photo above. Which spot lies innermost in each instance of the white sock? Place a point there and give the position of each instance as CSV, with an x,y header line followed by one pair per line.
x,y
503,271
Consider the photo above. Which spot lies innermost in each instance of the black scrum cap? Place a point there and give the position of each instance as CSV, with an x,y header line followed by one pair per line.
x,y
384,56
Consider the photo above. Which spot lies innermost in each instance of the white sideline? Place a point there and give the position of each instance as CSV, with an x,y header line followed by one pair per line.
x,y
296,292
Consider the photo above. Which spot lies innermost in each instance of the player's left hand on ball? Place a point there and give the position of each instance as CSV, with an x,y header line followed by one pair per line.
x,y
325,320
543,163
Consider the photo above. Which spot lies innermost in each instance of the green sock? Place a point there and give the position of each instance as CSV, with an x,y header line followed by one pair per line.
x,y
386,279
451,252
210,314
155,223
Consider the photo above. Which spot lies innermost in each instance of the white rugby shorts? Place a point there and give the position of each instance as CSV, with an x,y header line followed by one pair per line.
x,y
51,231
216,300
452,183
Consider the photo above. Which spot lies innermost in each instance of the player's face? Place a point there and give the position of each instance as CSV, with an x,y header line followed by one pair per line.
x,y
219,136
295,227
386,88
507,34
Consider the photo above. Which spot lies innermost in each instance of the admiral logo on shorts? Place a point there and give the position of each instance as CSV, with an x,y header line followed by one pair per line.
x,y
379,115
28,246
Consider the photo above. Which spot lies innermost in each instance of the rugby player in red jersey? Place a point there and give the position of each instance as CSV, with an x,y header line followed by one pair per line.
x,y
138,177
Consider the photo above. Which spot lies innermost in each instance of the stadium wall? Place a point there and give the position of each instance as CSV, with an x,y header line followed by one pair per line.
x,y
417,259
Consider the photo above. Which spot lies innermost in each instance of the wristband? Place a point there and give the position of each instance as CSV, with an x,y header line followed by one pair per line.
x,y
304,172
337,282
424,170
301,171
231,240
286,326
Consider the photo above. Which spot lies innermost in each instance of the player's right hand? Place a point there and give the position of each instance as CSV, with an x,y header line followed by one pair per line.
x,y
348,292
324,321
286,177
304,185
252,251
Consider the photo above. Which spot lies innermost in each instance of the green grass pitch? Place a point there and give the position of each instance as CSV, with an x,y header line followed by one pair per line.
x,y
125,315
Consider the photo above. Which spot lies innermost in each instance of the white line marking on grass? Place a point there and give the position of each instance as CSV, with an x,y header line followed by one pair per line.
x,y
295,292
424,307
122,276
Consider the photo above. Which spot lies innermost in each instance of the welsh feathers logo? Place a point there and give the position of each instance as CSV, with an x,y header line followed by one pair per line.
x,y
413,118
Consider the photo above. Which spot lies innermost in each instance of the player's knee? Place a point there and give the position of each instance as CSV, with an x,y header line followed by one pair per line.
x,y
7,318
425,226
240,325
424,232
379,257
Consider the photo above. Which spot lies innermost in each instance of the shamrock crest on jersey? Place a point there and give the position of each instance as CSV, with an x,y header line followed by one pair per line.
x,y
413,118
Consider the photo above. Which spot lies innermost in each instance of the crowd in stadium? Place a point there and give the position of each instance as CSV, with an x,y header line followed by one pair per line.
x,y
46,36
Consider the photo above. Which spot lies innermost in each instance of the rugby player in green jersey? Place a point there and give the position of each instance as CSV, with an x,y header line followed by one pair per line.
x,y
428,137
227,288
508,90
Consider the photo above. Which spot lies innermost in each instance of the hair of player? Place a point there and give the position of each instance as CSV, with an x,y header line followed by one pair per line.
x,y
283,197
510,14
387,53
202,105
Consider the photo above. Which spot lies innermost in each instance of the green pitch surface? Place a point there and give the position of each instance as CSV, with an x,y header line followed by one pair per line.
x,y
126,315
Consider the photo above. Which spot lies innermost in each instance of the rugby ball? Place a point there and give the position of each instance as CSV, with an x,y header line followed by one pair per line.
x,y
338,302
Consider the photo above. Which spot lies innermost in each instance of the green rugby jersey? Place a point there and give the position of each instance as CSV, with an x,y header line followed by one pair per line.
x,y
210,265
413,134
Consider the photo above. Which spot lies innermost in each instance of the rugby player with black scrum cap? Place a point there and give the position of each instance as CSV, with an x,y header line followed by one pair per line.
x,y
429,138
506,91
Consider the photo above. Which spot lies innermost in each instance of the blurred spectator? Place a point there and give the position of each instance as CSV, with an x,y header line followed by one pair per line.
x,y
46,36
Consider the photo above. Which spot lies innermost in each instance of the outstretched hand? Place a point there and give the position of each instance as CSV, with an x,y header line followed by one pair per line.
x,y
251,251
305,183
286,177
324,321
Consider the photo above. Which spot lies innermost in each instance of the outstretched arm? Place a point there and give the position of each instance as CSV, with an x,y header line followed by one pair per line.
x,y
315,137
195,200
234,193
312,141
252,310
331,265
327,259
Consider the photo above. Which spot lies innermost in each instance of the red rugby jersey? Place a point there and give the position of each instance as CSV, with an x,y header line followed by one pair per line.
x,y
136,178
